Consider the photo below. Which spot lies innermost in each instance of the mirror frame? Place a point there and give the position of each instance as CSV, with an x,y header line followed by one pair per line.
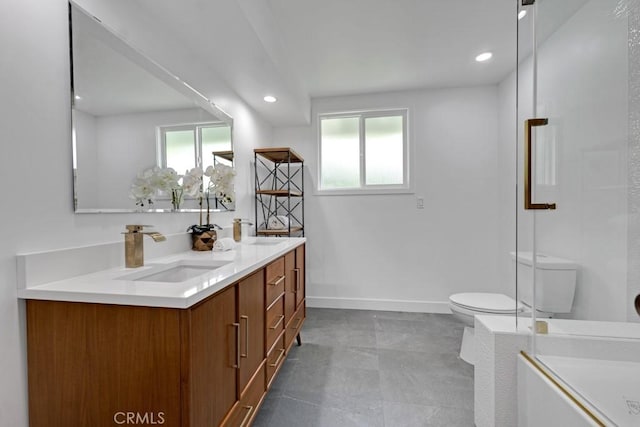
x,y
157,71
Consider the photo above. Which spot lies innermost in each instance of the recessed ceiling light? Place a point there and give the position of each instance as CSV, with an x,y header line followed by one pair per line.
x,y
78,97
270,99
522,14
484,56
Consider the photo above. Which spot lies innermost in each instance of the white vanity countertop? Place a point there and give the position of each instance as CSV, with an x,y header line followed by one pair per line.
x,y
107,287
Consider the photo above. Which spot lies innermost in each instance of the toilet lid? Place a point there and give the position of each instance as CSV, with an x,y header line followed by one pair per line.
x,y
487,302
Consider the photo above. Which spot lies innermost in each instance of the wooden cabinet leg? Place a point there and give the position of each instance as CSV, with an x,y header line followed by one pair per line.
x,y
298,339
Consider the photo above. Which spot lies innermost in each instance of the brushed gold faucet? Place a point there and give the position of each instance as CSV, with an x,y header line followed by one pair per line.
x,y
134,246
237,228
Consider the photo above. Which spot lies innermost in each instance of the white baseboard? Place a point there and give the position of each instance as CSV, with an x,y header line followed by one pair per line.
x,y
379,304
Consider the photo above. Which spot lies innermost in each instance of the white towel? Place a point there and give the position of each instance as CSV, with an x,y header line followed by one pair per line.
x,y
224,244
279,222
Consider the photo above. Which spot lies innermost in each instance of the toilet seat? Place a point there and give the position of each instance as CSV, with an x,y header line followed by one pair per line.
x,y
482,302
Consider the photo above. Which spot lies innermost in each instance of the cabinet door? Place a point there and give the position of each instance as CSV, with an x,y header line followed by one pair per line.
x,y
213,347
251,297
91,363
300,272
290,285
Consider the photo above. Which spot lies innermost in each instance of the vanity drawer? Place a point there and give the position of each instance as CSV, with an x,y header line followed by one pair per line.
x,y
245,410
275,279
275,321
275,358
294,326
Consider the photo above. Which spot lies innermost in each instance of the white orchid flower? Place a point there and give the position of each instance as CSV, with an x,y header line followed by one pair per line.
x,y
192,182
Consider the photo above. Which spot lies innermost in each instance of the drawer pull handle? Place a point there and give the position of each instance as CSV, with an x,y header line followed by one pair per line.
x,y
280,319
277,282
275,301
236,326
297,270
247,416
246,335
299,319
274,364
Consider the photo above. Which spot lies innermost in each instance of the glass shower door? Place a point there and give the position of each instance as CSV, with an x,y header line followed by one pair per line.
x,y
579,114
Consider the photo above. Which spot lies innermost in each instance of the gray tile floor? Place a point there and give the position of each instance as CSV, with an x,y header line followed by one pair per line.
x,y
372,368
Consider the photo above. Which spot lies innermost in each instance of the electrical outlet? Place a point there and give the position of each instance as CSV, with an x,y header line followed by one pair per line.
x,y
420,202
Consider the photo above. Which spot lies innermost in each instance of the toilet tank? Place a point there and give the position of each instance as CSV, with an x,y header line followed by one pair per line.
x,y
555,282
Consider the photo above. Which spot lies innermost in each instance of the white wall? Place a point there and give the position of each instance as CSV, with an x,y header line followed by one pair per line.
x,y
36,165
582,89
379,251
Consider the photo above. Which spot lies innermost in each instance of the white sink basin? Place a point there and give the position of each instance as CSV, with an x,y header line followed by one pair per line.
x,y
264,242
175,272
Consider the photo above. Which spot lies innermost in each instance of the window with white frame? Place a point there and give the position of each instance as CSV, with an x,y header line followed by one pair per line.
x,y
183,147
363,151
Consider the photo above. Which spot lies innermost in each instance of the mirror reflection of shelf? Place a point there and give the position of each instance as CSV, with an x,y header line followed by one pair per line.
x,y
279,191
226,155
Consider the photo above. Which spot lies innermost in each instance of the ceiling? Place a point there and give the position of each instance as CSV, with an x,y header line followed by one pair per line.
x,y
301,49
358,46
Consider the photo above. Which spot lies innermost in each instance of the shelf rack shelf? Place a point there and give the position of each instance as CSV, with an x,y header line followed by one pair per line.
x,y
279,191
226,155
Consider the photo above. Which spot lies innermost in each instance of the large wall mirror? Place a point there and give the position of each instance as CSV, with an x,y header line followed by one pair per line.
x,y
131,117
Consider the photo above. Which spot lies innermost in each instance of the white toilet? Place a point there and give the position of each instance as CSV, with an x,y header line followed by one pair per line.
x,y
556,284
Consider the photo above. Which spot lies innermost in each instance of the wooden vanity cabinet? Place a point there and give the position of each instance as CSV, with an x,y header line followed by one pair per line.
x,y
208,365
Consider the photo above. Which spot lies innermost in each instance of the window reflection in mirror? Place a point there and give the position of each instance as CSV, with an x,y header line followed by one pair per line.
x,y
129,114
184,147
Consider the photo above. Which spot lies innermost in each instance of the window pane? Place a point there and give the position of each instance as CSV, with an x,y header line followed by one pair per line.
x,y
384,150
215,138
340,153
181,154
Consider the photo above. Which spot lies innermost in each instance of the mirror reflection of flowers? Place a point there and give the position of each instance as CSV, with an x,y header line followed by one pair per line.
x,y
147,183
142,190
221,182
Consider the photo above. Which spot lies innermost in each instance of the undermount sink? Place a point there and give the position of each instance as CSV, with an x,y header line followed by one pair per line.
x,y
264,242
175,272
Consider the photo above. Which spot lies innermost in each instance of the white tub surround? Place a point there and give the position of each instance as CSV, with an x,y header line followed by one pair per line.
x,y
568,346
96,274
607,389
542,403
497,342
